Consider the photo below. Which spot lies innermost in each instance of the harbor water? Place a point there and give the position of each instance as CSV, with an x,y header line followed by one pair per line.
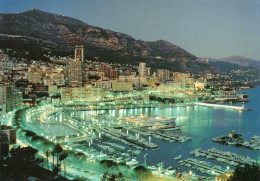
x,y
201,124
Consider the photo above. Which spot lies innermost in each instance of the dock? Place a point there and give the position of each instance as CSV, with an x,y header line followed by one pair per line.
x,y
226,157
238,108
203,166
128,139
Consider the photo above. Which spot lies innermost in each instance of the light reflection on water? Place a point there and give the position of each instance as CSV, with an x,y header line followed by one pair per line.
x,y
202,124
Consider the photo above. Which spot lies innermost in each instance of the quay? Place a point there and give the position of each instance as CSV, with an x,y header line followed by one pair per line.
x,y
157,134
204,166
128,139
230,158
166,137
241,108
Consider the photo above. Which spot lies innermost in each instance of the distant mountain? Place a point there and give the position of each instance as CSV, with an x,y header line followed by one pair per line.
x,y
242,61
226,66
40,33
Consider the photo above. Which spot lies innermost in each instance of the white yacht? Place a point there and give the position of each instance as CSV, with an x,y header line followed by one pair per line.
x,y
178,157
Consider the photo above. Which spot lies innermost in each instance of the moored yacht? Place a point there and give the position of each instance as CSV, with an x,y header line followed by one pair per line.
x,y
178,157
133,162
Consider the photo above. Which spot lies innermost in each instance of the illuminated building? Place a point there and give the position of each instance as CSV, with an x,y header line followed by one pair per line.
x,y
6,97
52,90
163,74
34,76
183,79
142,69
122,86
75,69
103,84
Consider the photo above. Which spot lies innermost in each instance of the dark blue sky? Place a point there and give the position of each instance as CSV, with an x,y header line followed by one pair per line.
x,y
206,28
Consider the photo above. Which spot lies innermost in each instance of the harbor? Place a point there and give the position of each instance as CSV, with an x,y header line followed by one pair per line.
x,y
141,142
204,167
222,156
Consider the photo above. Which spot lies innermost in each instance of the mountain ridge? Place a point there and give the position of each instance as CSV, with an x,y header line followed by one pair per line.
x,y
41,32
239,60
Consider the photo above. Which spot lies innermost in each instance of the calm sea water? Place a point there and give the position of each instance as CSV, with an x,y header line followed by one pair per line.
x,y
202,124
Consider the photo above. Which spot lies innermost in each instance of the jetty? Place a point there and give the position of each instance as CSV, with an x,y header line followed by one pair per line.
x,y
201,165
238,108
129,138
226,156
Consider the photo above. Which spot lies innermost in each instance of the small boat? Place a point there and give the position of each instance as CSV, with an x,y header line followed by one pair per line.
x,y
132,162
152,167
156,149
178,157
231,142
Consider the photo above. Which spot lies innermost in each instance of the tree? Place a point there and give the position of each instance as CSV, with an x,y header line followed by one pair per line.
x,y
47,156
142,172
247,172
120,176
56,170
53,154
58,149
62,157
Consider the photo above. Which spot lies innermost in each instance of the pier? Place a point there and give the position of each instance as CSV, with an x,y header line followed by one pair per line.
x,y
129,139
203,166
230,157
241,108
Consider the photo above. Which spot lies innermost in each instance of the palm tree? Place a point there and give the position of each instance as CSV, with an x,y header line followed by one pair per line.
x,y
62,157
47,156
53,154
57,150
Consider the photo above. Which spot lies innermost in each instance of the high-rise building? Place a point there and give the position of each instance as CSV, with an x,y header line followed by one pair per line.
x,y
183,79
148,71
75,68
9,98
6,92
79,53
163,74
107,71
166,75
142,69
17,98
115,74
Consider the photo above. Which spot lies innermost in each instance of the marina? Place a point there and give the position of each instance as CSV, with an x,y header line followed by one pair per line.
x,y
125,142
129,138
222,156
203,166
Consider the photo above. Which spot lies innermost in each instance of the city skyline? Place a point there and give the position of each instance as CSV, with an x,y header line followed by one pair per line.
x,y
78,116
206,29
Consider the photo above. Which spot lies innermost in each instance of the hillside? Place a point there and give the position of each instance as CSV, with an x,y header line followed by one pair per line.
x,y
41,33
242,61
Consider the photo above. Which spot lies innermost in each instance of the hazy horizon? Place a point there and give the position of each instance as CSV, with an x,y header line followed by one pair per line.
x,y
213,29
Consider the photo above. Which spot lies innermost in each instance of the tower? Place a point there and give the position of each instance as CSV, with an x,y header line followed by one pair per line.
x,y
6,97
79,53
76,68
